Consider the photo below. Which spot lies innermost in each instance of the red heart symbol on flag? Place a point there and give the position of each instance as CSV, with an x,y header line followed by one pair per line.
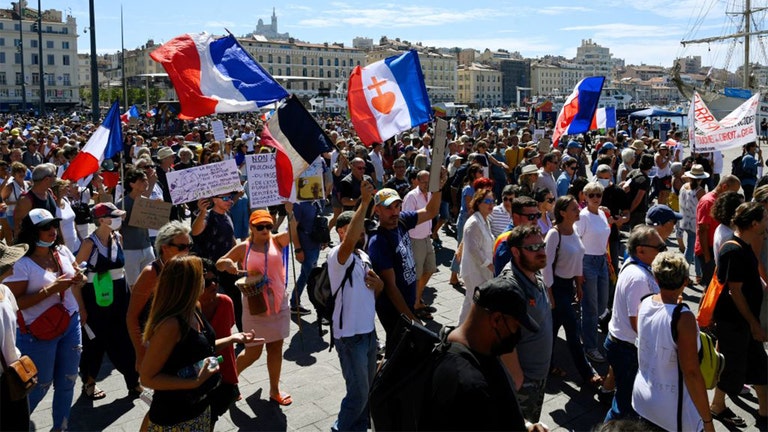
x,y
383,102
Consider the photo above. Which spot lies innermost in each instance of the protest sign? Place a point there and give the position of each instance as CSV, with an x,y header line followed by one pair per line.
x,y
203,181
262,180
310,184
218,130
734,130
438,153
147,213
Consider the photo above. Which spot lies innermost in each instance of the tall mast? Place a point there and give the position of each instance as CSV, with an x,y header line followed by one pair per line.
x,y
747,37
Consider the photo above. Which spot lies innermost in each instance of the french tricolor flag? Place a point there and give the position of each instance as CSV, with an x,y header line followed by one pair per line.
x,y
299,140
132,112
605,118
151,113
388,97
105,142
579,109
215,76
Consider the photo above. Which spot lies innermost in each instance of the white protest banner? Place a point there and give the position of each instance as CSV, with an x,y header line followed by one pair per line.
x,y
310,185
203,181
438,153
262,180
218,130
735,130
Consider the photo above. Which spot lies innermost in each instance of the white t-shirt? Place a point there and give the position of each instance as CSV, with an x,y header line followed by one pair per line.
x,y
723,233
356,301
570,257
27,270
8,308
655,392
635,282
67,225
593,230
717,162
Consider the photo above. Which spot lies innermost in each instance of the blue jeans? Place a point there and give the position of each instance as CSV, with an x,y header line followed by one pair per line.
x,y
564,316
357,356
57,363
690,244
310,261
622,356
595,298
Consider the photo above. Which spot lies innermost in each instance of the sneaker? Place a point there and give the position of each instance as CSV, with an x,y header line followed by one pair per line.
x,y
301,311
595,356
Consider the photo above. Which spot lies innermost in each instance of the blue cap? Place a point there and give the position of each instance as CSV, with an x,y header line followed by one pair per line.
x,y
661,214
574,144
608,146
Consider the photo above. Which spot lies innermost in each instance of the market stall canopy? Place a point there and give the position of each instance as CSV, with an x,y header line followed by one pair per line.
x,y
657,112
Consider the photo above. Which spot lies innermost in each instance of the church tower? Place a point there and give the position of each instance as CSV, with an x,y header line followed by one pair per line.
x,y
274,21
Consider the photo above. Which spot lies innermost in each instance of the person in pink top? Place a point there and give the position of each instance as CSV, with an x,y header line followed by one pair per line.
x,y
262,254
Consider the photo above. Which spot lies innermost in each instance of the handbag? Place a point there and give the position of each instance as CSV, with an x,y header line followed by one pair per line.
x,y
710,297
20,377
50,324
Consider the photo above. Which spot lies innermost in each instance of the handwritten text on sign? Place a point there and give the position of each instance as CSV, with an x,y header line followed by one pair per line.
x,y
203,181
147,213
262,180
735,130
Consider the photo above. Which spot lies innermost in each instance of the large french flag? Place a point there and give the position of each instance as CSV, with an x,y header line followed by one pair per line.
x,y
298,138
105,142
215,76
605,118
579,109
388,97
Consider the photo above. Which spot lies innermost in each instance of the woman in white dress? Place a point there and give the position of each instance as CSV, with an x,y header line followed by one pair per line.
x,y
477,258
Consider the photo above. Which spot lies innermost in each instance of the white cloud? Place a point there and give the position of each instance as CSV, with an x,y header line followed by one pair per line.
x,y
398,16
560,10
626,30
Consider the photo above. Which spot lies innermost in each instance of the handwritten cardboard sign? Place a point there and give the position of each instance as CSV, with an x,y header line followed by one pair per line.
x,y
147,213
262,180
310,184
438,154
203,181
218,130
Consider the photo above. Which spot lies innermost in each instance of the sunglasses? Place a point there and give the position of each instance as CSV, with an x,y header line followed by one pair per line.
x,y
507,199
226,198
488,201
48,226
534,247
550,200
661,247
571,167
146,167
181,247
595,195
211,281
262,227
531,216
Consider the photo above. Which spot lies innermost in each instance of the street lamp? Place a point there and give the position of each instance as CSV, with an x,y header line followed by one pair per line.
x,y
21,53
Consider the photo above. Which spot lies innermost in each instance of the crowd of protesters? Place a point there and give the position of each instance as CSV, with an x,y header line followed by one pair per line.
x,y
574,233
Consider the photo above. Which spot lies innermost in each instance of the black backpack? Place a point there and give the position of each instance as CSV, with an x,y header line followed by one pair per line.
x,y
323,298
737,168
320,232
401,386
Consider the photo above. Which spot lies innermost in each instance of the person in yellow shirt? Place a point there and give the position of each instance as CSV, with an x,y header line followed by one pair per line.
x,y
514,155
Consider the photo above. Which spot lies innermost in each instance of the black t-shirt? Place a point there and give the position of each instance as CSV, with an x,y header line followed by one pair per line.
x,y
469,394
738,264
400,185
616,200
638,182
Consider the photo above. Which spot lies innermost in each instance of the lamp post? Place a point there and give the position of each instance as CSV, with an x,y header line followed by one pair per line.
x,y
21,52
95,114
40,54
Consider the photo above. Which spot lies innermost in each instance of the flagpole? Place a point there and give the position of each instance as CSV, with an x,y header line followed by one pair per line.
x,y
122,51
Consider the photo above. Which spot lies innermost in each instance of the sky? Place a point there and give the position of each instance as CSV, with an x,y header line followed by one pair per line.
x,y
640,32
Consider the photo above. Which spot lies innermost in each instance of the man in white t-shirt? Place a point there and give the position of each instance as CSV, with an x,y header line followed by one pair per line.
x,y
249,137
355,307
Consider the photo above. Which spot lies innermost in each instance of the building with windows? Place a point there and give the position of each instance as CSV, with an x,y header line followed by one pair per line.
x,y
595,59
514,74
555,78
19,44
479,86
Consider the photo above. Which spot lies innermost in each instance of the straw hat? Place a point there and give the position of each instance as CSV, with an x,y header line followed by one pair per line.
x,y
696,172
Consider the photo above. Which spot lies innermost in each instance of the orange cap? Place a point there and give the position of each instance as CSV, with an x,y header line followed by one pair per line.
x,y
260,216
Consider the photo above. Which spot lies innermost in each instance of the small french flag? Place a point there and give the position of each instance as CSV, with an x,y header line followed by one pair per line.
x,y
132,112
151,113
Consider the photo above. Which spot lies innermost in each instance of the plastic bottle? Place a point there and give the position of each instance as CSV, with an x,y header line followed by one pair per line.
x,y
193,370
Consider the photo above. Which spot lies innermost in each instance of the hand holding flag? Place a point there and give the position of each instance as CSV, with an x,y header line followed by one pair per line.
x,y
105,142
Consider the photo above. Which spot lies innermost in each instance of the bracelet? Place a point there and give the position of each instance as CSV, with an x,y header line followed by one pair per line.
x,y
710,421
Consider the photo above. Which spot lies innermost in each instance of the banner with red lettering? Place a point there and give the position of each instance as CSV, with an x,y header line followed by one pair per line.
x,y
734,130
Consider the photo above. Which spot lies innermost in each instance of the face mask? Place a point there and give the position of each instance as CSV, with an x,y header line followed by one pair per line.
x,y
604,182
506,345
44,243
115,223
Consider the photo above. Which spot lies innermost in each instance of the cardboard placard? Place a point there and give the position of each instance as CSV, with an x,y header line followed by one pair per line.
x,y
262,180
151,214
218,130
310,185
204,181
438,154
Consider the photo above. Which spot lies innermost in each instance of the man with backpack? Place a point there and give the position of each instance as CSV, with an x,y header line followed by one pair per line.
x,y
469,387
305,234
354,313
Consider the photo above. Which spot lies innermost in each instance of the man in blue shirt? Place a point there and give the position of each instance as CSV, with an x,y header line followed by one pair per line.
x,y
749,164
306,249
392,255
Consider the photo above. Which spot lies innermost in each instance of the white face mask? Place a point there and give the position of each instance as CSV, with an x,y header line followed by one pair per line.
x,y
604,182
115,223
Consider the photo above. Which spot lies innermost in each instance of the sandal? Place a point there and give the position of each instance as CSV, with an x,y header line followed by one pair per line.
x,y
556,371
282,399
729,418
425,307
93,392
422,314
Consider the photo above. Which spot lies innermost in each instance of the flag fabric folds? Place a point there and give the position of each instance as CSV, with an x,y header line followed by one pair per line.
x,y
215,76
151,113
299,140
605,118
105,142
579,109
388,97
132,112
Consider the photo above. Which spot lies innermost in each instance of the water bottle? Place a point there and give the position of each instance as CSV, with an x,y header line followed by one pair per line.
x,y
193,370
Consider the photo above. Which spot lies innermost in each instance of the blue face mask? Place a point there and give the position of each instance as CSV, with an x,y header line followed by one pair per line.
x,y
44,244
